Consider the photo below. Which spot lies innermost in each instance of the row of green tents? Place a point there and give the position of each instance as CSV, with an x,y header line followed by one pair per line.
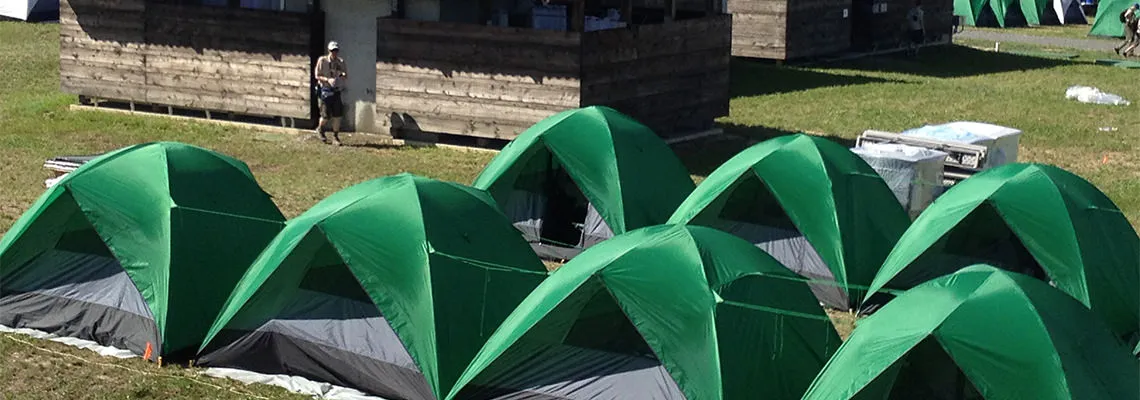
x,y
1016,13
406,287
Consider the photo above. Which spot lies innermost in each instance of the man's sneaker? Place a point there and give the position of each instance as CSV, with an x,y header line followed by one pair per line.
x,y
336,142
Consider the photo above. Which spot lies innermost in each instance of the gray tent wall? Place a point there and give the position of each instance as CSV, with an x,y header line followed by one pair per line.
x,y
327,329
1064,12
528,210
76,288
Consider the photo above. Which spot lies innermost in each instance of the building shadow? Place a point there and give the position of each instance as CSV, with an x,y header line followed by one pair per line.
x,y
758,78
952,61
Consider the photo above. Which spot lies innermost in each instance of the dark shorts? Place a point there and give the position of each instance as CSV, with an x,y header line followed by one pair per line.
x,y
917,37
332,107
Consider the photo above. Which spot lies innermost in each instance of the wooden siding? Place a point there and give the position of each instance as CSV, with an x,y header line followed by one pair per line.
x,y
884,31
243,61
101,48
474,80
673,77
787,29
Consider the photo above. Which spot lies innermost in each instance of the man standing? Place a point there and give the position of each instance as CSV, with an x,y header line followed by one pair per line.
x,y
916,26
1130,18
331,74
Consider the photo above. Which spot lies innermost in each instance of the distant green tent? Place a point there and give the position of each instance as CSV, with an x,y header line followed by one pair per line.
x,y
1035,219
981,333
1000,13
583,175
814,205
138,248
664,312
390,286
1108,18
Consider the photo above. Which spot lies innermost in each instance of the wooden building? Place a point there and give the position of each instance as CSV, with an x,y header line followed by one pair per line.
x,y
487,69
799,29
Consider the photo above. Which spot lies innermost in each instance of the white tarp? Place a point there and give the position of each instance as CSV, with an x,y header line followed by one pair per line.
x,y
23,9
294,384
73,342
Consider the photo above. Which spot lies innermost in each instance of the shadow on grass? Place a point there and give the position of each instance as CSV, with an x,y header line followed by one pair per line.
x,y
703,156
755,78
951,61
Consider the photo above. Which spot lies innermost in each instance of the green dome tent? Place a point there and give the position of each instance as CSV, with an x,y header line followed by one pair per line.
x,y
137,249
815,206
389,286
663,312
980,333
1107,21
1035,219
1000,13
583,175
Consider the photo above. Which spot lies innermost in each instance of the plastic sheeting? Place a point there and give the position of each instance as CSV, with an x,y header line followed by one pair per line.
x,y
294,384
914,174
106,351
1012,336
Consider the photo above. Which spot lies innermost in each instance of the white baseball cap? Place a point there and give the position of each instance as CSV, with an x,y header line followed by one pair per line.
x,y
333,45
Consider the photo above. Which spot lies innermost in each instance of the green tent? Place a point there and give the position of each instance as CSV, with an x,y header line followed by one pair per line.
x,y
390,286
1107,21
664,312
980,333
1001,13
583,175
1035,219
811,203
137,249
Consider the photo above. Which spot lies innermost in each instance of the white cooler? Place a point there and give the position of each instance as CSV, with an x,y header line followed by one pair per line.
x,y
1000,142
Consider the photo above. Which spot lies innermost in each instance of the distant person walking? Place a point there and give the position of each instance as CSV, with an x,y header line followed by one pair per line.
x,y
1129,18
332,75
916,26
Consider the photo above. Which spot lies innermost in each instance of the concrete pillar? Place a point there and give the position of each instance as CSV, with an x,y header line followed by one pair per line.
x,y
352,23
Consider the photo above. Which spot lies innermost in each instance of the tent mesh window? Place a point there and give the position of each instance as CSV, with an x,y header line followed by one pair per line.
x,y
982,237
926,372
752,212
549,208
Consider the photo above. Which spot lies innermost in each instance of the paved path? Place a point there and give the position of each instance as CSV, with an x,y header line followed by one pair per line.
x,y
1079,44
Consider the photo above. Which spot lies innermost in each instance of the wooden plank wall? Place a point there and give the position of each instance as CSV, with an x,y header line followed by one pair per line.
x,y
759,28
101,48
885,31
673,77
220,59
245,61
789,29
474,80
818,27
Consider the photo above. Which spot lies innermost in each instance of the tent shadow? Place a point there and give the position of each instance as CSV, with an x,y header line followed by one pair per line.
x,y
704,155
954,61
756,78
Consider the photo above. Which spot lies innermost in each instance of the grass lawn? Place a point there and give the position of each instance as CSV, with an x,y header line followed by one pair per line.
x,y
839,101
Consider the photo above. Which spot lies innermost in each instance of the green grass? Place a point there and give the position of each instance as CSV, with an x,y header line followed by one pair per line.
x,y
839,101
